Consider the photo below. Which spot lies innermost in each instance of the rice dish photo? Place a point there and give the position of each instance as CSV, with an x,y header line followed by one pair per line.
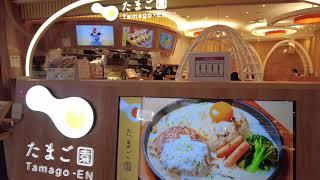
x,y
191,139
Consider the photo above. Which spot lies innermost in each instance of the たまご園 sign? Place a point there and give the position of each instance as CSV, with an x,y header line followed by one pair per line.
x,y
85,158
72,116
132,10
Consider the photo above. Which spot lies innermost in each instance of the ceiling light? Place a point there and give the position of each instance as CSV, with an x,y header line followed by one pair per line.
x,y
188,16
265,31
307,19
297,26
260,23
195,26
275,33
314,1
247,12
190,34
227,16
187,26
263,5
175,12
292,14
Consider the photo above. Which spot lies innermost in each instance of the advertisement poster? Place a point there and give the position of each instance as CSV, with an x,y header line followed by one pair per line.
x,y
170,138
166,41
210,66
62,68
137,37
94,35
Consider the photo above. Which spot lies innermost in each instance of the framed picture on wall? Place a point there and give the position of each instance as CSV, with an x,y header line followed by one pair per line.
x,y
137,38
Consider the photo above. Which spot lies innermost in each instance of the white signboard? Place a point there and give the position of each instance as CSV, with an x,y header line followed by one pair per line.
x,y
209,66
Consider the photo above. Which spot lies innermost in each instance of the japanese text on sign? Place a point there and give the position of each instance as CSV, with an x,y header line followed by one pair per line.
x,y
138,5
85,158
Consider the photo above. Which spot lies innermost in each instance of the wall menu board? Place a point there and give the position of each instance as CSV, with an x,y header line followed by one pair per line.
x,y
137,37
169,138
166,41
95,35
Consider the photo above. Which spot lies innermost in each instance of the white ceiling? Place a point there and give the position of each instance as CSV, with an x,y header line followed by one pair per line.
x,y
243,15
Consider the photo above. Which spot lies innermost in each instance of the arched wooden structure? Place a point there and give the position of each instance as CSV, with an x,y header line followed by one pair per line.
x,y
246,59
303,54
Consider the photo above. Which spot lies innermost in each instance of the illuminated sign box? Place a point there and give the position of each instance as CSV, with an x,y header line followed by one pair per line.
x,y
72,116
172,138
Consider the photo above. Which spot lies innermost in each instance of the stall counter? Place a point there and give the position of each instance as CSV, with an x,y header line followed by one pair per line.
x,y
37,150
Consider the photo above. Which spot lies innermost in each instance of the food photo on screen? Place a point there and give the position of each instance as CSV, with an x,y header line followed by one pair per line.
x,y
137,37
166,41
211,139
95,35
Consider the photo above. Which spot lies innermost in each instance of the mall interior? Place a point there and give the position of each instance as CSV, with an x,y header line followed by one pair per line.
x,y
139,64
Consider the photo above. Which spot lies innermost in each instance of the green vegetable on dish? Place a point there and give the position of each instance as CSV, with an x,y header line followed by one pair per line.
x,y
262,155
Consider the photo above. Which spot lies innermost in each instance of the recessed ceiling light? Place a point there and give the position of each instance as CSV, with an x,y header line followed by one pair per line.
x,y
227,16
307,19
188,16
263,5
273,31
247,12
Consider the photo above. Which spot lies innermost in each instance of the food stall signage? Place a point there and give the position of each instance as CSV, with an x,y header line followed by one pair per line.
x,y
111,13
160,5
85,158
147,6
72,116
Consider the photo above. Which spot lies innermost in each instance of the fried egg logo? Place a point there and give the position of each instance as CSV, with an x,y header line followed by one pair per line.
x,y
133,111
110,13
72,116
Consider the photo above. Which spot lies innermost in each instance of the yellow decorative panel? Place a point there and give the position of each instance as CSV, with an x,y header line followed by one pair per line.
x,y
129,140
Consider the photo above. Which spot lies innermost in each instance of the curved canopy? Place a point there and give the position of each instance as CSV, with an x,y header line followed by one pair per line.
x,y
246,59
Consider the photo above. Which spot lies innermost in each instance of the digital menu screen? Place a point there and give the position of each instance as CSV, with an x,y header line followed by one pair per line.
x,y
166,41
137,37
169,138
95,35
